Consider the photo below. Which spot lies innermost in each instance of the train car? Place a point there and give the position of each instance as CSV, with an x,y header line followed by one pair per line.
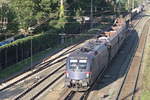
x,y
117,37
136,11
133,13
84,65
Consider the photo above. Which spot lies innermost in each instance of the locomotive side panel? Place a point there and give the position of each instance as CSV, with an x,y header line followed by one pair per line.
x,y
114,47
94,68
100,61
122,36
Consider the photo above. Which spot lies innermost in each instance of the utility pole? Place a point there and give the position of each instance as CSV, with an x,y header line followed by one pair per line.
x,y
119,8
0,30
61,9
128,5
132,4
31,51
0,19
31,47
91,16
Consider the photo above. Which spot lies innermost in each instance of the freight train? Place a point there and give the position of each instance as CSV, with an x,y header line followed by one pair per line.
x,y
84,65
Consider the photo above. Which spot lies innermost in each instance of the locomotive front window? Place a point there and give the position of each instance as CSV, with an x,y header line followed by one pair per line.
x,y
82,64
73,64
77,64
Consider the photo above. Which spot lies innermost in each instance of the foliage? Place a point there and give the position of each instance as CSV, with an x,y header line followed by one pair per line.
x,y
24,12
7,12
31,12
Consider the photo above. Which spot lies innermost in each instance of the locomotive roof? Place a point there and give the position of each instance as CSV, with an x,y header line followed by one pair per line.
x,y
90,47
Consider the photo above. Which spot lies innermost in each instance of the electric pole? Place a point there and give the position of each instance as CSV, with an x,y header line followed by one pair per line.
x,y
61,8
132,4
119,8
91,15
128,5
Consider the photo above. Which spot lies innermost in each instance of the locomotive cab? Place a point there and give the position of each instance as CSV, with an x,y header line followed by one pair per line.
x,y
78,72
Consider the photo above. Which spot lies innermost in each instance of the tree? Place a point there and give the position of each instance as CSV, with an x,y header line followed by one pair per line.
x,y
31,12
7,16
24,12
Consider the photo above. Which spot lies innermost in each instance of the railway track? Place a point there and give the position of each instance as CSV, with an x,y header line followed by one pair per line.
x,y
39,70
39,67
34,91
128,87
67,94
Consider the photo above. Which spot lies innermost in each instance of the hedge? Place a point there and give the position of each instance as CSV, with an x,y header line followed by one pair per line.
x,y
21,48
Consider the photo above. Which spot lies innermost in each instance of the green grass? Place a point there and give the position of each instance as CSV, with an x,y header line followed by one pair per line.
x,y
145,95
146,76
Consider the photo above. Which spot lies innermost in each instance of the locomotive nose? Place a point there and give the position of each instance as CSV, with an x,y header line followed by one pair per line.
x,y
77,75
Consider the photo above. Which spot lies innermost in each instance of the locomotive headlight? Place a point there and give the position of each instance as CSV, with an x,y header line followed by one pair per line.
x,y
88,74
67,74
73,81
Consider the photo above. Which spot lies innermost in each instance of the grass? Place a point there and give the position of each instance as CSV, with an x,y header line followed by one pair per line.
x,y
146,95
146,76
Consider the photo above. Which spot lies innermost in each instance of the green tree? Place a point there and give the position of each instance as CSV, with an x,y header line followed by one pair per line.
x,y
24,12
31,12
8,15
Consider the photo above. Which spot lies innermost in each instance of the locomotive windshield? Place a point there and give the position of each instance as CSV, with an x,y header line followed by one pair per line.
x,y
78,64
82,64
73,64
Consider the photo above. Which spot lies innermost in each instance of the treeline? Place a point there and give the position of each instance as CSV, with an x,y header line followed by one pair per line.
x,y
59,14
